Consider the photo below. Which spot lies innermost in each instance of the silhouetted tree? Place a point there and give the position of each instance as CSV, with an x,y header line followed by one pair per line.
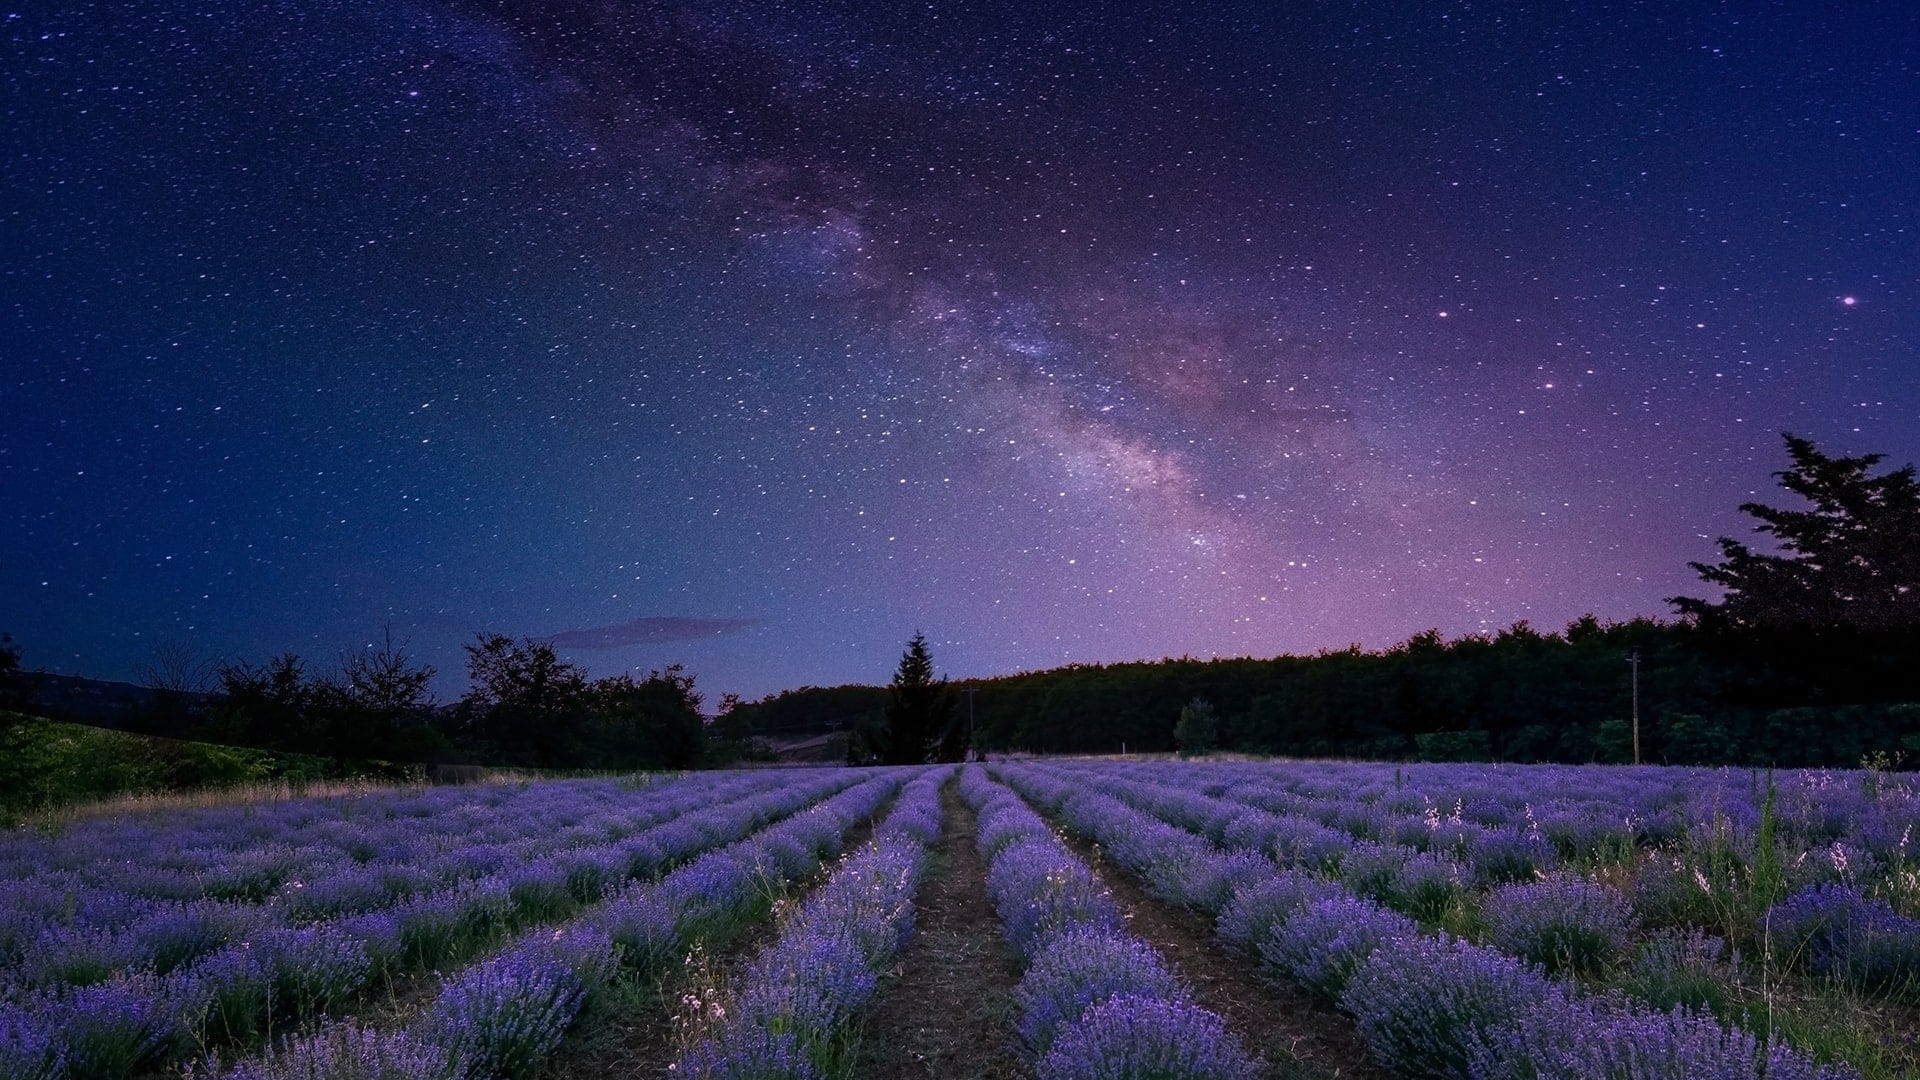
x,y
525,701
1198,730
649,723
1850,559
271,705
382,707
176,675
919,711
13,685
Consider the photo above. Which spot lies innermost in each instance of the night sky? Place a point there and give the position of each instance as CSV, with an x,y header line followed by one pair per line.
x,y
759,335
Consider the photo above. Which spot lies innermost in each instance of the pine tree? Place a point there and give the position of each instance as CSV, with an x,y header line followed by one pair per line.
x,y
1851,560
919,708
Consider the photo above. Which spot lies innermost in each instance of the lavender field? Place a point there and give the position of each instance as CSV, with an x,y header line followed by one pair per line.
x,y
1069,918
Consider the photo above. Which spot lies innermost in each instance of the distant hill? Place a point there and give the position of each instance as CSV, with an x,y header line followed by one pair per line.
x,y
99,702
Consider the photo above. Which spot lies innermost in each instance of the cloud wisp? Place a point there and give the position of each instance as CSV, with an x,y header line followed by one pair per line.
x,y
650,630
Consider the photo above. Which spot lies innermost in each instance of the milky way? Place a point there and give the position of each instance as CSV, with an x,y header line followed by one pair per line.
x,y
759,336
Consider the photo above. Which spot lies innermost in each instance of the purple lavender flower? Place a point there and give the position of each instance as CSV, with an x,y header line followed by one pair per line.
x,y
345,1052
1040,889
113,1028
1426,1004
538,890
74,956
313,968
1564,924
29,1049
1321,945
1833,930
811,984
1498,856
1425,886
1257,910
231,992
1612,1037
1143,1037
504,1015
177,934
1369,868
1082,967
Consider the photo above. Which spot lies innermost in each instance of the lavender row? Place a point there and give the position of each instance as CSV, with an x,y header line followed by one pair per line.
x,y
799,997
292,975
507,1015
1856,829
1812,916
412,932
102,920
1095,1001
1428,1006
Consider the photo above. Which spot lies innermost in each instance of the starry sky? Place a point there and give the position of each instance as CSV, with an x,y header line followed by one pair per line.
x,y
758,335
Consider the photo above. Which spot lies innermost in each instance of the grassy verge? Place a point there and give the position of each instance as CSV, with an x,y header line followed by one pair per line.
x,y
64,768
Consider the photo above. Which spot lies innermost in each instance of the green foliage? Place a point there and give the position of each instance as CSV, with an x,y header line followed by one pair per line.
x,y
919,725
1198,730
1850,559
1454,746
45,764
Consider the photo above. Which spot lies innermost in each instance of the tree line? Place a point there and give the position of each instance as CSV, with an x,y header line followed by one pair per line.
x,y
524,706
1810,656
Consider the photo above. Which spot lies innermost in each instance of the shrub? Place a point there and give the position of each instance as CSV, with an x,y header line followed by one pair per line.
x,y
1833,930
1141,1037
345,1052
1321,945
751,1053
1610,1037
1081,968
1040,889
1426,1005
1426,886
1256,911
1564,924
503,1016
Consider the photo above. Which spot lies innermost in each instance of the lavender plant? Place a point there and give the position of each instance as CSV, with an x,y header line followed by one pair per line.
x,y
1147,1037
1257,910
1321,945
1833,930
1426,1005
1564,924
1084,966
344,1052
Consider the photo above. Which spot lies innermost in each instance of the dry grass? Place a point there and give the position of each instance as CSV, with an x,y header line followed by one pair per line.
x,y
268,792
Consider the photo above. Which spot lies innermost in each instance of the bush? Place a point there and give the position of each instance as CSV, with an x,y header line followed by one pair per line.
x,y
1079,969
1835,931
1254,913
1427,1005
1564,924
1322,945
1135,1037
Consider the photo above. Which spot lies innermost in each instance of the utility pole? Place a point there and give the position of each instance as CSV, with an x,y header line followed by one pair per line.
x,y
1633,657
969,691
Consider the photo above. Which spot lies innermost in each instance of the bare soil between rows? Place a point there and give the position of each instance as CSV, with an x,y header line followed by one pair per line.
x,y
945,1010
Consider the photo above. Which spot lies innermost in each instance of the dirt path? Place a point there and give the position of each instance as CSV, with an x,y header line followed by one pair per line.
x,y
944,1011
1299,1035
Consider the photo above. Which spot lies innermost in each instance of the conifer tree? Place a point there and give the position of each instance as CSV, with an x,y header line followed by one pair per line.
x,y
1850,560
919,708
